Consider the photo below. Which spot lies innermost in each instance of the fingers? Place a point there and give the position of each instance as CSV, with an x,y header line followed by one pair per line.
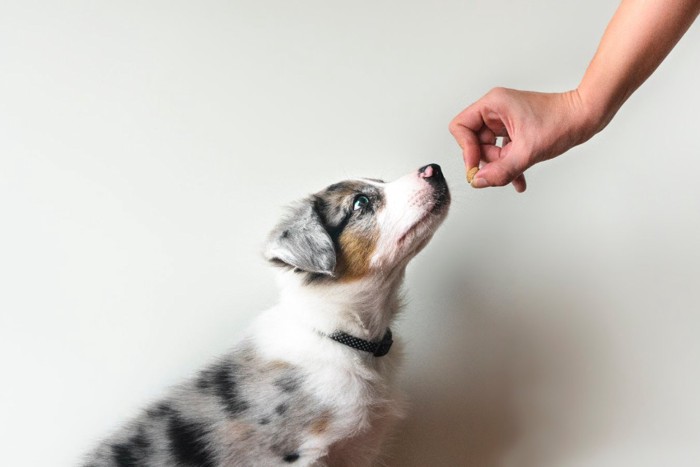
x,y
486,136
476,130
519,183
501,168
469,131
472,154
498,173
498,170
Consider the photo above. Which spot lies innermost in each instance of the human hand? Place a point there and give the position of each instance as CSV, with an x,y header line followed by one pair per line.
x,y
535,127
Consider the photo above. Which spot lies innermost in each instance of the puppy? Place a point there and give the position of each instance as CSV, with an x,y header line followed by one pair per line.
x,y
312,384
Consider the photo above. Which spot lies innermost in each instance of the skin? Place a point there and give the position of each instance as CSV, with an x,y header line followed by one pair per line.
x,y
540,126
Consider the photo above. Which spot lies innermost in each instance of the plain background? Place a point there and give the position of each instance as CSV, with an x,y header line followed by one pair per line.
x,y
146,148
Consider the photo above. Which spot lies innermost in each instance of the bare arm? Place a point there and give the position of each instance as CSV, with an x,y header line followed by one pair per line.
x,y
540,126
638,38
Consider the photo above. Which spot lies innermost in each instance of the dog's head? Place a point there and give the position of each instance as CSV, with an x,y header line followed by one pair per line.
x,y
356,228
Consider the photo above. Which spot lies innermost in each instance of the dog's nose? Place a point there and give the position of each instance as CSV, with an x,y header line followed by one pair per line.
x,y
432,172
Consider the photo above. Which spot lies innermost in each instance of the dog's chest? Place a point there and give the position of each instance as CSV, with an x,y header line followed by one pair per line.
x,y
355,391
354,388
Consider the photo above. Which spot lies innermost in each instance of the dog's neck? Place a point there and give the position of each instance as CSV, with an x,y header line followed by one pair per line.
x,y
363,308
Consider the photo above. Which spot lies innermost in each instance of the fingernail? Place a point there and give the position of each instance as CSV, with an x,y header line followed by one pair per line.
x,y
480,183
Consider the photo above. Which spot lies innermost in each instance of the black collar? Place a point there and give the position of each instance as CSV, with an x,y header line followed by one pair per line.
x,y
378,349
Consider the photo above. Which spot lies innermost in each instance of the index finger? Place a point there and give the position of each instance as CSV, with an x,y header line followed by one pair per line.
x,y
465,128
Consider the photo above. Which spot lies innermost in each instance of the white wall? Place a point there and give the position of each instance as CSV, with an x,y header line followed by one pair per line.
x,y
147,147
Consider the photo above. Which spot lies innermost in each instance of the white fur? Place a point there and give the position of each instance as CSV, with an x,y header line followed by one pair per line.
x,y
358,385
362,385
341,402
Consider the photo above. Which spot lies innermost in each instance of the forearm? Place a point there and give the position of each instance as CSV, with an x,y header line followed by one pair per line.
x,y
637,39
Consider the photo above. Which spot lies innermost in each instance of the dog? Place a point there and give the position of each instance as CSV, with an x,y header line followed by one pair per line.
x,y
313,381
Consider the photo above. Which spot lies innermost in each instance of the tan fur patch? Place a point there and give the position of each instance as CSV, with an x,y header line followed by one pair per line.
x,y
240,431
358,238
321,424
275,365
356,249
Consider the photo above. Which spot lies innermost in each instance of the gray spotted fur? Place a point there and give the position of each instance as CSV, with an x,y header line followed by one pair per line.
x,y
306,238
302,241
240,411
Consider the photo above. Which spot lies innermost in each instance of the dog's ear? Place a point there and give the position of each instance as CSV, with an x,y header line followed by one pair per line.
x,y
302,242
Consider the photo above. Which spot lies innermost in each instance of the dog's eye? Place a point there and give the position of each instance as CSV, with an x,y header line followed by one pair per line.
x,y
360,202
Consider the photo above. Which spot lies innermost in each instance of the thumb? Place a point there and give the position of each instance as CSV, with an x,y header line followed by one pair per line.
x,y
503,170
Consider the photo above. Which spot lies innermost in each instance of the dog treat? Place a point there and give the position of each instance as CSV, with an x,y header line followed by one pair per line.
x,y
472,172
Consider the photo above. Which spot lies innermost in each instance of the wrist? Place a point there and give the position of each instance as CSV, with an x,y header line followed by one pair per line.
x,y
596,111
